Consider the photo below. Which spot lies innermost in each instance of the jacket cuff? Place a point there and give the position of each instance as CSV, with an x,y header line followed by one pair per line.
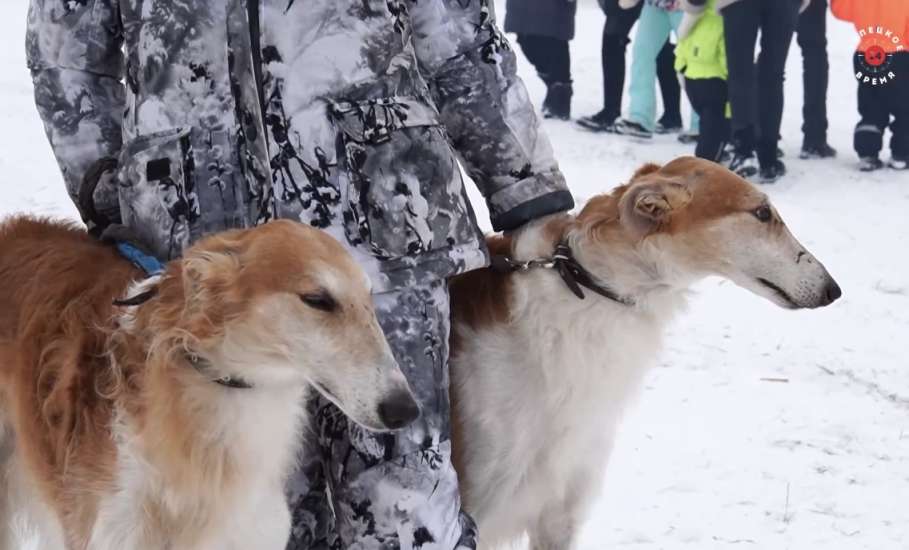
x,y
542,194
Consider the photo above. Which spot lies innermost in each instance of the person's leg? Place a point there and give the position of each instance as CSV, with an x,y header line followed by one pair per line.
x,y
898,92
559,90
778,21
653,30
559,59
550,58
669,87
872,107
708,98
812,39
312,521
615,41
397,490
537,50
741,21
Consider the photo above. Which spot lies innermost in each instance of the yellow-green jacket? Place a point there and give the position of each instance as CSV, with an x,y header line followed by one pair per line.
x,y
702,53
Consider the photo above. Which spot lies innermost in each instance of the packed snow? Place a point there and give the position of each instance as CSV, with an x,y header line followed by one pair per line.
x,y
761,428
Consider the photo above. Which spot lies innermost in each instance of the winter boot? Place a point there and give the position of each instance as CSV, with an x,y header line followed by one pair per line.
x,y
898,163
772,172
870,164
668,125
687,137
631,128
744,163
821,151
558,95
599,122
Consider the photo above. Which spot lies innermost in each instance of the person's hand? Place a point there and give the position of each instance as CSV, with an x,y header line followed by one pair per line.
x,y
98,199
628,4
106,196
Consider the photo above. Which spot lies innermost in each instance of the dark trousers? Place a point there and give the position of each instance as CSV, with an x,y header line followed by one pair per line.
x,y
776,20
708,98
812,39
549,56
877,103
612,54
669,86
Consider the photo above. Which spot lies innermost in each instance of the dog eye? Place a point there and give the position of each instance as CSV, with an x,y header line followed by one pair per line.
x,y
763,213
320,301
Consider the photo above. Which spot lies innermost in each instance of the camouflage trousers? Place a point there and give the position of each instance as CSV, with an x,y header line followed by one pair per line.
x,y
365,490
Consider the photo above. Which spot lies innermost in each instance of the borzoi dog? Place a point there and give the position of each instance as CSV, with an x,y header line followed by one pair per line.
x,y
171,419
540,377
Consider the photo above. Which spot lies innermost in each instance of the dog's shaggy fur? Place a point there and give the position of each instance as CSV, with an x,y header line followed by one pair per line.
x,y
114,433
540,378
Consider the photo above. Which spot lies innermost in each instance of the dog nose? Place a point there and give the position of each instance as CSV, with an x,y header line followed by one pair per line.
x,y
398,410
832,292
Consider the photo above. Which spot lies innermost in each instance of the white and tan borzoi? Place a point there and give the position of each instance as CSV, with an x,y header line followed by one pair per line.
x,y
540,377
172,424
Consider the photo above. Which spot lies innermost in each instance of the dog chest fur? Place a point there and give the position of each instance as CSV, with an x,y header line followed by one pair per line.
x,y
545,395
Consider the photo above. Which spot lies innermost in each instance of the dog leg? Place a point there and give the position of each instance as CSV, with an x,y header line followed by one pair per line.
x,y
28,523
263,523
6,513
557,526
556,529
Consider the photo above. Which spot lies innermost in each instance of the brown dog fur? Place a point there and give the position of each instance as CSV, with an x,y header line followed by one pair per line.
x,y
71,361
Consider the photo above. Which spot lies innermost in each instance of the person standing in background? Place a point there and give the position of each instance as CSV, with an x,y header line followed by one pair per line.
x,y
658,19
811,35
757,130
616,29
701,58
881,65
544,29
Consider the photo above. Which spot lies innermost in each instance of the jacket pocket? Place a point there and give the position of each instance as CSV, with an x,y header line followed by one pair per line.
x,y
401,184
178,185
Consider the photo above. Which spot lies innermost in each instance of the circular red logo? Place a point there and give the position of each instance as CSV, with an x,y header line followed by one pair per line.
x,y
875,56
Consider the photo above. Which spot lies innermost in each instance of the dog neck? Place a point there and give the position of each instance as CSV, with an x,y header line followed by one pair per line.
x,y
194,441
632,270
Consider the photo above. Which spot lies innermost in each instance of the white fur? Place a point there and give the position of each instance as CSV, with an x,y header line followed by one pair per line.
x,y
540,397
281,351
24,516
261,432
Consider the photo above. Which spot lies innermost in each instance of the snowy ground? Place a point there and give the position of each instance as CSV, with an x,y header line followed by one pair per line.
x,y
713,455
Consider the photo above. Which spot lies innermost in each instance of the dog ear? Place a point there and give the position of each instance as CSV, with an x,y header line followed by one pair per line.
x,y
646,207
644,170
208,272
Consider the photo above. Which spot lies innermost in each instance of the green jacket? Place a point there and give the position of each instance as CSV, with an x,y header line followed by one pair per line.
x,y
702,53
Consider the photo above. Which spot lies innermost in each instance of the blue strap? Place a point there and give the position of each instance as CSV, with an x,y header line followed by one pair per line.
x,y
149,264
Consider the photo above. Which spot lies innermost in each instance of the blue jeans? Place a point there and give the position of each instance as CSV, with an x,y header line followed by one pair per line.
x,y
654,27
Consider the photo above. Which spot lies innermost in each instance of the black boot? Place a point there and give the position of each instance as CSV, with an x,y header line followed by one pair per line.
x,y
558,101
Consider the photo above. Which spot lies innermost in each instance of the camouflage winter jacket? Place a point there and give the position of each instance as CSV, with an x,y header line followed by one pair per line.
x,y
345,114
